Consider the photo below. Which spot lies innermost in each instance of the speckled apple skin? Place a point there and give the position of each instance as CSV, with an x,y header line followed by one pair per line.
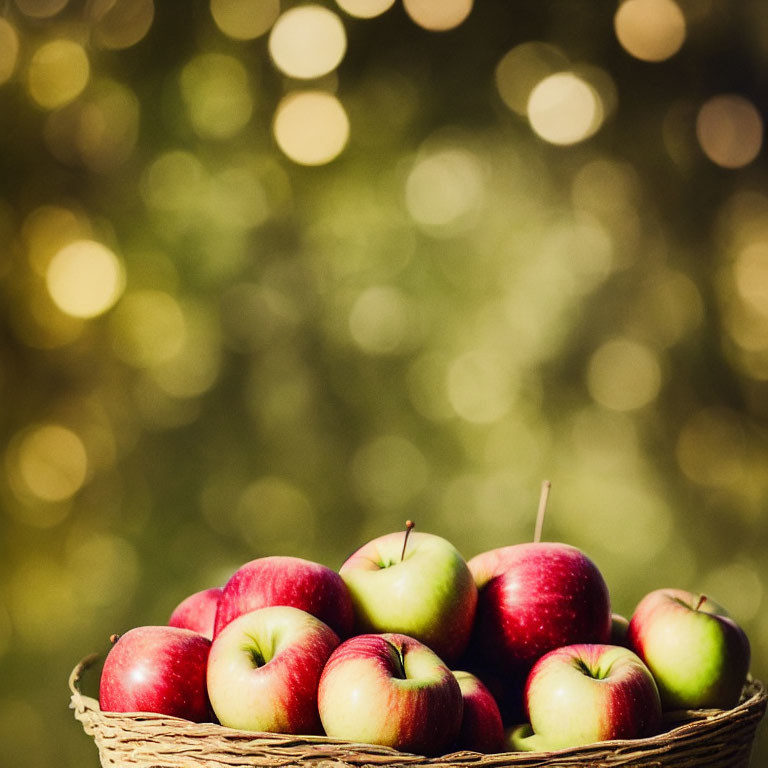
x,y
157,669
291,581
278,694
699,657
534,598
429,594
197,612
392,690
481,727
622,704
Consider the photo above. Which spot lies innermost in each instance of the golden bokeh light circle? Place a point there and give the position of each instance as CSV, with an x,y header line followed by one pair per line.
x,y
58,73
85,279
245,19
307,42
311,127
650,30
438,16
365,9
564,109
730,130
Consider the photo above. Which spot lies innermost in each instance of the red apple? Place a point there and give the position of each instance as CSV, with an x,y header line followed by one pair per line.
x,y
581,694
481,726
197,612
698,655
534,598
290,581
393,690
264,669
157,669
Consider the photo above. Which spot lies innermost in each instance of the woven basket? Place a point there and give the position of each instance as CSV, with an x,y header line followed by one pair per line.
x,y
696,739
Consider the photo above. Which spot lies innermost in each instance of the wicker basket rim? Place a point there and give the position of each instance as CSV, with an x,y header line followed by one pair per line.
x,y
753,705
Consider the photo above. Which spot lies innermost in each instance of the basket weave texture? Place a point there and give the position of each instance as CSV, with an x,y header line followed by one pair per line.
x,y
695,739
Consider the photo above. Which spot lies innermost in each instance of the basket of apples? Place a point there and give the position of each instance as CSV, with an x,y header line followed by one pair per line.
x,y
411,656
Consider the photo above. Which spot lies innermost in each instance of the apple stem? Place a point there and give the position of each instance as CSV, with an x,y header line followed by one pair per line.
x,y
702,600
408,528
114,638
543,498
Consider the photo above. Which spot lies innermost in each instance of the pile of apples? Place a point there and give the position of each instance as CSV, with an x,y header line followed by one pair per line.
x,y
372,653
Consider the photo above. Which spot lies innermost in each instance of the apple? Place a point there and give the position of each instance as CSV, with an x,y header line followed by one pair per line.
x,y
291,581
197,612
390,689
264,668
582,693
481,726
698,655
619,629
424,590
157,669
533,598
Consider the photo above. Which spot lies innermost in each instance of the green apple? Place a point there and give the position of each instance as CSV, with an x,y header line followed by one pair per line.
x,y
698,655
424,590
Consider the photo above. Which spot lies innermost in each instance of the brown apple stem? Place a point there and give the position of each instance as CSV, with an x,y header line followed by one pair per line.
x,y
543,498
408,528
114,638
702,600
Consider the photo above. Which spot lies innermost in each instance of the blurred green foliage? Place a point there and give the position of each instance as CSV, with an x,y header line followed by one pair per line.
x,y
246,313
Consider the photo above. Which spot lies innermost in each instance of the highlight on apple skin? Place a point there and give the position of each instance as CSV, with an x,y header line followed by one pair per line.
x,y
197,612
157,669
392,690
697,653
264,668
585,693
426,592
533,598
481,726
291,581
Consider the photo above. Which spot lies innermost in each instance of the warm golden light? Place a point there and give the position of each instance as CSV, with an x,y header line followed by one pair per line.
x,y
245,19
365,9
522,68
311,127
307,41
58,73
564,109
119,24
623,375
438,16
9,50
730,130
216,91
651,30
85,279
51,463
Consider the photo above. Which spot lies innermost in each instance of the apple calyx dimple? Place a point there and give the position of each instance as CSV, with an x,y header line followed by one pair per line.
x,y
399,659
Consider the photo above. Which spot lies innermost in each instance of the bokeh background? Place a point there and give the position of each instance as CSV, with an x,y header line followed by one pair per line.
x,y
275,276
